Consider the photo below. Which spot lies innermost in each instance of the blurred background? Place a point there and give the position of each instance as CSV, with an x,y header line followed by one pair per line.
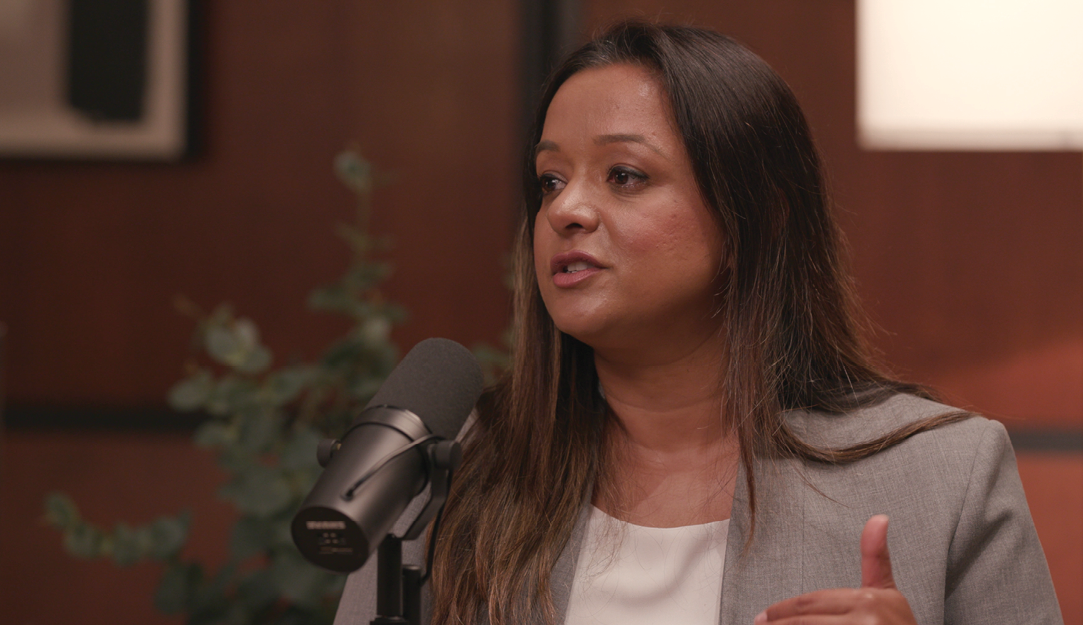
x,y
970,263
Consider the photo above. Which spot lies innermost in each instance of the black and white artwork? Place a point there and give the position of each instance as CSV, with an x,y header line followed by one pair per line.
x,y
94,79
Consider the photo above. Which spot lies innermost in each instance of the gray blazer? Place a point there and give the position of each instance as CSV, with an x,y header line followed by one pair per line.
x,y
963,546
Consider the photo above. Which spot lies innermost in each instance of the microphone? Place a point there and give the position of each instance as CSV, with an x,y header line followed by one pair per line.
x,y
388,455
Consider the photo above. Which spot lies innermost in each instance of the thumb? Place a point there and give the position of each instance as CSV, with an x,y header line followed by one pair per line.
x,y
875,560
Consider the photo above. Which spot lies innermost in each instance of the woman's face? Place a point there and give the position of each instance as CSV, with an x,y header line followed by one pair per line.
x,y
626,252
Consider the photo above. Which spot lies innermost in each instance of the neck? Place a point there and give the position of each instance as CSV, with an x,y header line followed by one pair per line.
x,y
666,403
671,444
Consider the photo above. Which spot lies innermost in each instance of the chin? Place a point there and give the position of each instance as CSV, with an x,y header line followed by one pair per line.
x,y
604,338
582,329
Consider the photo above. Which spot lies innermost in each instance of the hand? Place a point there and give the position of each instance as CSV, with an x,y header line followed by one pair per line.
x,y
877,601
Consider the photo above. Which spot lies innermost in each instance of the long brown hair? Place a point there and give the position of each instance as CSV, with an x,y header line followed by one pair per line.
x,y
791,331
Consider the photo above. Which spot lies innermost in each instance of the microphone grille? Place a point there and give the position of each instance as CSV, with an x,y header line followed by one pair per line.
x,y
439,381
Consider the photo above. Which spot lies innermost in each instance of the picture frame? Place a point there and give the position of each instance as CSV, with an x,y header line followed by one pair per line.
x,y
96,80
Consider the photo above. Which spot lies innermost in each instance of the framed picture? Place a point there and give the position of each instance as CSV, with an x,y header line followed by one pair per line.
x,y
95,79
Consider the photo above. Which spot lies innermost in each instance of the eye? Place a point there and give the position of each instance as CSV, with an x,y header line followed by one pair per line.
x,y
626,177
549,183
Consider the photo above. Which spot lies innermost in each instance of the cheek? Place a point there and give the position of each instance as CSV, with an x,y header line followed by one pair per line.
x,y
540,256
682,250
671,237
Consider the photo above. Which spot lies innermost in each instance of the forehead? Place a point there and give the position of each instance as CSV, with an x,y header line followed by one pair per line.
x,y
614,99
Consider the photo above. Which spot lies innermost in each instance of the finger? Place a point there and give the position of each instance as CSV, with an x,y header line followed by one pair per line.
x,y
875,560
821,602
816,619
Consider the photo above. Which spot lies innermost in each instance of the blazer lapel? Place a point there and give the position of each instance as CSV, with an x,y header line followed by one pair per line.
x,y
564,571
771,568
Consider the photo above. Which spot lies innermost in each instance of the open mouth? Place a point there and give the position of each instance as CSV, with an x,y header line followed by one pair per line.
x,y
576,267
570,268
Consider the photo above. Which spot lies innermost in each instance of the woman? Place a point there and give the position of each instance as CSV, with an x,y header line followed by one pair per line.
x,y
689,372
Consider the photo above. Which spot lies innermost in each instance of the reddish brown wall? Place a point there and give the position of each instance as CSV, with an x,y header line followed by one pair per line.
x,y
133,477
91,255
970,262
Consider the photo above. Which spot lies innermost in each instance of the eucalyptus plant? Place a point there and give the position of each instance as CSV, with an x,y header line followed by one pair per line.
x,y
263,424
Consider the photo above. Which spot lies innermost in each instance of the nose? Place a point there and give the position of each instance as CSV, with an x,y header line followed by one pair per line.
x,y
572,210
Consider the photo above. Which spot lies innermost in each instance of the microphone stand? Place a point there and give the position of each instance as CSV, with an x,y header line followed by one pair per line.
x,y
398,587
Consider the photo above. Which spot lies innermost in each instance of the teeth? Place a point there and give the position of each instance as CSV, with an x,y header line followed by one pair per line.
x,y
576,266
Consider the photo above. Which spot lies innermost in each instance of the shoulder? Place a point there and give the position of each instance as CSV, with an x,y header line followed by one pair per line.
x,y
868,423
959,517
936,469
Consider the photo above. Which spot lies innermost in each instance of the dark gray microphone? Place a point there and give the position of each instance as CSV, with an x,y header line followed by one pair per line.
x,y
385,458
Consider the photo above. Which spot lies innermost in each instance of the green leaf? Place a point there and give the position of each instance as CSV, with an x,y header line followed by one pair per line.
x,y
285,385
343,353
332,298
84,541
297,579
230,395
260,430
168,535
177,588
365,276
215,434
281,534
354,171
260,491
223,345
191,393
126,547
258,590
221,315
375,330
397,314
251,536
60,511
294,615
366,388
223,613
208,605
246,332
300,451
211,604
266,439
234,460
255,360
223,578
237,345
382,359
361,242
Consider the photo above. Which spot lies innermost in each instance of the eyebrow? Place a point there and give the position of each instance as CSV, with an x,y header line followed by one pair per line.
x,y
546,145
601,140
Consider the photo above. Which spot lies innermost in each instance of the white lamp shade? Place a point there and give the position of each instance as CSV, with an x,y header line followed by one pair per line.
x,y
970,74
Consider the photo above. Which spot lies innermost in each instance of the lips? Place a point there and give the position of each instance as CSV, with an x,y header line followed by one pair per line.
x,y
572,268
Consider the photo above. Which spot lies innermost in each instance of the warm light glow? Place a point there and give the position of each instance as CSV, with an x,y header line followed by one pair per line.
x,y
970,74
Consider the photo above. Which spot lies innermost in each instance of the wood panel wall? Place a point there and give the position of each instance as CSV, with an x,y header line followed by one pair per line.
x,y
970,263
92,255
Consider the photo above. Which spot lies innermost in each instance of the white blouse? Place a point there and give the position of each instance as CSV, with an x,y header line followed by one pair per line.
x,y
631,575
